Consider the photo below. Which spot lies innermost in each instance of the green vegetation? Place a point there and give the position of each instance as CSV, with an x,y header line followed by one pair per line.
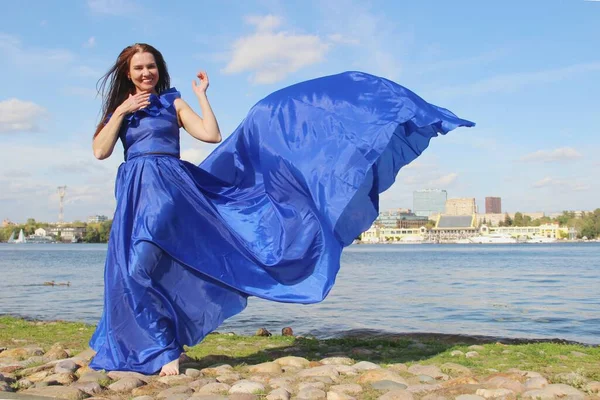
x,y
547,358
586,224
95,232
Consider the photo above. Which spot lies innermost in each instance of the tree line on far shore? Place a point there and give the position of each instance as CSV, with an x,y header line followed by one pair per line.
x,y
94,232
586,224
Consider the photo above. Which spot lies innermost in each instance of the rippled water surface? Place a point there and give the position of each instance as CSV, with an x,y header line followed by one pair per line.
x,y
520,291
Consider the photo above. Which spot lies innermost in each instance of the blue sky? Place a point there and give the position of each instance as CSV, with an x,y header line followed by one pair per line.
x,y
525,71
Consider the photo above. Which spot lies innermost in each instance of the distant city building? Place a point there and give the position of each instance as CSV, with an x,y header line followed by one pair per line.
x,y
429,201
493,205
6,222
495,219
67,233
400,218
95,219
462,206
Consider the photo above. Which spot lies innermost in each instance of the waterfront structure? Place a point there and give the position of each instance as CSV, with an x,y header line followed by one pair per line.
x,y
95,219
68,233
493,205
496,219
400,218
548,231
378,234
450,228
461,206
429,201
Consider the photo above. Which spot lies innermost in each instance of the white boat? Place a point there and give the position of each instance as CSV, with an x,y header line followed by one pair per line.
x,y
11,239
20,239
541,239
493,238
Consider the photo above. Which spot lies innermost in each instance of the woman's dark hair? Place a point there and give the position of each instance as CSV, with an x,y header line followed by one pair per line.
x,y
115,86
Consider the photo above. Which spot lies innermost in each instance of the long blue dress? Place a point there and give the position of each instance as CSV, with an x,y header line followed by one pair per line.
x,y
267,214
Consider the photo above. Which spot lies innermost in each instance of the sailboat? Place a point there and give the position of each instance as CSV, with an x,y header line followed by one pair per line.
x,y
11,239
21,238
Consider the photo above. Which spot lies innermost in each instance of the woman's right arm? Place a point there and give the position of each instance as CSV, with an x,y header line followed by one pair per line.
x,y
104,142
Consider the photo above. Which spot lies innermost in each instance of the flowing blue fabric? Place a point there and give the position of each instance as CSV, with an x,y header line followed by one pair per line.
x,y
267,214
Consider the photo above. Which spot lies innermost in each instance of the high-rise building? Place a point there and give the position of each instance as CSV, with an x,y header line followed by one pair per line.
x,y
493,205
429,201
463,206
400,218
94,219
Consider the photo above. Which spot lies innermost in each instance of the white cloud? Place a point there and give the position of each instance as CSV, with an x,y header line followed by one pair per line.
x,y
91,42
20,116
342,39
509,83
560,154
112,7
444,180
12,49
568,185
271,56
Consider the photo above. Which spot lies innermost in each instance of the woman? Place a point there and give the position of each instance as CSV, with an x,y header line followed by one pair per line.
x,y
266,214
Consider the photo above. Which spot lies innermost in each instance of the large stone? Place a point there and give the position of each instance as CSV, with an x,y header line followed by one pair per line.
x,y
381,375
339,396
429,370
535,383
242,396
365,366
352,388
126,384
116,375
21,353
387,385
93,376
33,370
214,388
197,396
39,376
424,388
91,388
311,394
87,354
192,373
495,393
149,389
307,385
556,390
337,361
292,361
219,370
173,380
24,384
65,366
62,392
175,390
56,352
504,382
246,386
265,368
325,370
592,387
63,379
198,383
279,394
398,394
229,378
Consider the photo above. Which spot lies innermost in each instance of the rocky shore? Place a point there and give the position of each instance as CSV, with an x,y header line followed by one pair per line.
x,y
312,369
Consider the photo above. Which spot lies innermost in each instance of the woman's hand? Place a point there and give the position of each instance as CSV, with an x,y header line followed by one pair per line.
x,y
134,102
200,88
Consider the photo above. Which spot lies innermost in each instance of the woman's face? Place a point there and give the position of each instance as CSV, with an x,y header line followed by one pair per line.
x,y
143,72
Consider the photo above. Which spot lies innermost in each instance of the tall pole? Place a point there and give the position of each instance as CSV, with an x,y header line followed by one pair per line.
x,y
61,196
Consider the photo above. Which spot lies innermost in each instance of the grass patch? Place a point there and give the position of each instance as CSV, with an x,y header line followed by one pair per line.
x,y
548,358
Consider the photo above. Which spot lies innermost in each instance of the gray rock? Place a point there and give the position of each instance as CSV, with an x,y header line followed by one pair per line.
x,y
308,385
126,384
337,361
556,390
455,369
311,394
426,379
388,385
116,375
265,368
365,366
457,353
65,366
246,386
424,388
214,388
198,383
93,376
62,392
62,379
430,370
193,373
535,383
339,396
495,393
325,370
208,397
24,383
346,370
242,396
471,354
398,394
292,361
90,388
279,394
352,388
476,347
175,390
173,380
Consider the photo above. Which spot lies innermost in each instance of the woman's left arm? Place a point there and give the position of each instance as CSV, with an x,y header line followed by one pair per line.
x,y
205,129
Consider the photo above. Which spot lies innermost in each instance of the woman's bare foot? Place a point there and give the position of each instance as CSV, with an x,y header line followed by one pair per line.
x,y
171,368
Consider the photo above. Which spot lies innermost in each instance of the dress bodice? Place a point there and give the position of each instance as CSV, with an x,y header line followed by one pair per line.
x,y
153,129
